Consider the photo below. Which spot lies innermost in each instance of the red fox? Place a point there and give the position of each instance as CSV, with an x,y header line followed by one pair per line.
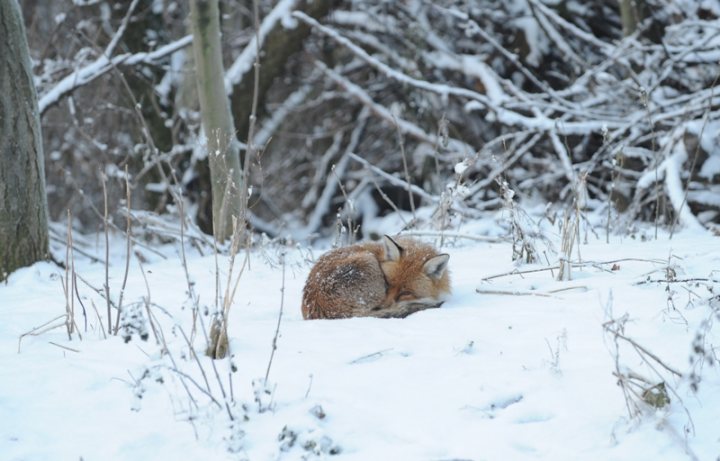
x,y
392,279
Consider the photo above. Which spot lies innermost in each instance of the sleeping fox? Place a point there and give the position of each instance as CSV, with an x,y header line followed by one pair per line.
x,y
392,279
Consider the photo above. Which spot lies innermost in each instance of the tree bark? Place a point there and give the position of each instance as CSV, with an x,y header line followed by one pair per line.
x,y
628,16
23,203
222,145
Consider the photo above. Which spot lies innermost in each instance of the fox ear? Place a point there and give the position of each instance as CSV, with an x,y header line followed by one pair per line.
x,y
436,266
393,251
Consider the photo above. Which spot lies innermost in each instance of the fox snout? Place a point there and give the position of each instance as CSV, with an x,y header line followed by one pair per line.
x,y
392,279
402,309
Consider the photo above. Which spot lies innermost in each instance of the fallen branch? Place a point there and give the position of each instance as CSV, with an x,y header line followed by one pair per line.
x,y
512,293
546,294
574,264
690,280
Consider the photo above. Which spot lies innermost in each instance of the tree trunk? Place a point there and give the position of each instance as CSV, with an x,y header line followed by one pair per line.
x,y
628,16
222,145
23,203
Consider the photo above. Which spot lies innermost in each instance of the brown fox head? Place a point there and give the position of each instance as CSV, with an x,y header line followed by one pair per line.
x,y
415,274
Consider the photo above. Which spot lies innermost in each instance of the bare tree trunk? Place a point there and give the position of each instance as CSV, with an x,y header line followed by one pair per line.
x,y
629,16
23,203
222,145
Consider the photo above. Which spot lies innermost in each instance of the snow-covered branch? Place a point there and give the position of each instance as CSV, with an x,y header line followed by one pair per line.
x,y
438,88
244,62
103,65
384,113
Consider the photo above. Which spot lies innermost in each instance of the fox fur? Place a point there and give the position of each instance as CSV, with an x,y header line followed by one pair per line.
x,y
392,279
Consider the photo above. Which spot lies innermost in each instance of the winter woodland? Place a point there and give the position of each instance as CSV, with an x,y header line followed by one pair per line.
x,y
170,171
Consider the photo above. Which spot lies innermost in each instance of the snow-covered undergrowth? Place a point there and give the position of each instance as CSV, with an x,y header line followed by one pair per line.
x,y
518,366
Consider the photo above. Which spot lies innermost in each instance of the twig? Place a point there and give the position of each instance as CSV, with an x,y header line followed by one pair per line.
x,y
517,272
640,348
690,280
280,314
64,347
547,294
128,234
349,207
406,171
103,179
457,235
195,383
394,180
196,358
59,239
45,327
121,30
365,358
77,296
69,300
512,293
574,264
97,313
148,302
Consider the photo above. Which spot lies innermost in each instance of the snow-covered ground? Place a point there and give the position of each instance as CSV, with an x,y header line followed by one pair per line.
x,y
524,370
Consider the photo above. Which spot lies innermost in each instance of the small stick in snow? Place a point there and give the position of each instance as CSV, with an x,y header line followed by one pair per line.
x,y
546,294
64,347
369,357
512,293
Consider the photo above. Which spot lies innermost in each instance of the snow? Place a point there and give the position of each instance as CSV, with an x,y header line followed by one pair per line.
x,y
536,40
711,166
487,376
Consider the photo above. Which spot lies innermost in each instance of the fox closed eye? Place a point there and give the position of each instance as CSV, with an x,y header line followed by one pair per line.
x,y
405,296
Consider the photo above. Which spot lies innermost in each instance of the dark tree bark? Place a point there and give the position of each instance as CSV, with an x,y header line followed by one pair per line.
x,y
23,203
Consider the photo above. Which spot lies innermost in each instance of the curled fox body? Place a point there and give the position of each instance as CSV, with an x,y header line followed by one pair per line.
x,y
388,279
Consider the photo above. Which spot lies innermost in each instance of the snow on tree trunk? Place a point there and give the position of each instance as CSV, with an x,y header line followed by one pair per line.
x,y
23,203
222,145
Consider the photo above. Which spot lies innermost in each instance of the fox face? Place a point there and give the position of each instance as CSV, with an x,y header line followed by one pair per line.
x,y
416,276
388,279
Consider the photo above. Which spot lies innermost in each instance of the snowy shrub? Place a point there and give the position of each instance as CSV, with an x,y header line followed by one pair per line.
x,y
133,322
